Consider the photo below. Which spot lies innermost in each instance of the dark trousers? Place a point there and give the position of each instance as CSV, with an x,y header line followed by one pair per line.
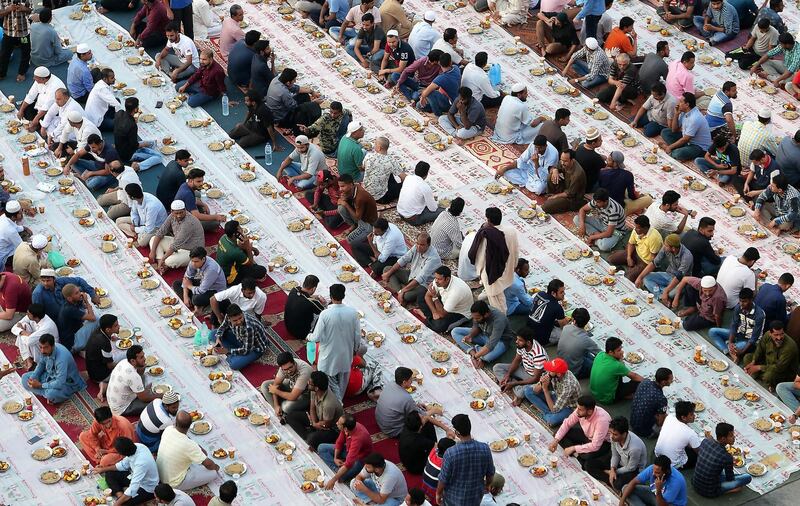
x,y
362,252
253,271
184,16
590,26
691,298
247,137
392,191
746,59
325,204
597,469
198,299
305,113
118,481
7,47
625,389
575,436
489,103
607,94
119,5
691,455
440,324
151,41
299,422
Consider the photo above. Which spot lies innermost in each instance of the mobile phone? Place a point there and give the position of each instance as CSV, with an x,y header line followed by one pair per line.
x,y
35,439
159,104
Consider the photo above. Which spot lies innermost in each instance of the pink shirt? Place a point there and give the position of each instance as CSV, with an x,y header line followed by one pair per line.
x,y
679,79
595,427
552,5
231,33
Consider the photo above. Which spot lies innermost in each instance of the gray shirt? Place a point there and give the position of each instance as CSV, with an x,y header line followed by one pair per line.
x,y
631,456
338,333
280,99
188,233
393,406
475,113
679,265
496,327
575,343
788,158
421,265
312,161
653,69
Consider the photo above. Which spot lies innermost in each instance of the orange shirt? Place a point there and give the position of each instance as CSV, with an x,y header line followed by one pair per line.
x,y
619,39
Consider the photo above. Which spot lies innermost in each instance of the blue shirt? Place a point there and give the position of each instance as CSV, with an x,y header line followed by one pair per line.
x,y
58,371
648,401
144,473
70,321
188,197
148,216
464,470
719,105
772,301
449,81
339,7
240,60
52,300
592,8
516,295
694,124
210,276
674,489
179,4
79,78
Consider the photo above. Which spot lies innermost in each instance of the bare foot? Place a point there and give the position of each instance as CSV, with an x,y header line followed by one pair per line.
x,y
20,78
517,401
418,312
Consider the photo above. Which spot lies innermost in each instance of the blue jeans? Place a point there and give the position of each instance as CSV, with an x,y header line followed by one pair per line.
x,y
521,308
459,333
709,269
593,226
293,169
83,334
147,158
719,337
649,128
391,501
582,68
236,362
586,367
538,401
94,183
703,165
196,97
713,37
789,394
349,34
655,282
55,395
739,480
686,152
409,88
325,452
374,60
438,104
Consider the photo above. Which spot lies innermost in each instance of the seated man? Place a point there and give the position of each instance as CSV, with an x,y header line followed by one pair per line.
x,y
763,38
659,481
257,127
302,165
383,173
688,135
235,255
203,278
477,80
346,456
584,433
446,232
435,97
241,336
149,24
547,316
199,209
622,39
775,358
410,284
414,446
207,83
417,75
39,97
623,80
249,297
775,70
381,248
620,185
146,217
518,300
677,440
591,64
302,307
681,13
758,134
165,494
525,368
556,35
356,207
721,160
99,355
50,291
576,345
179,59
29,258
101,104
95,171
778,207
56,376
489,336
397,55
97,442
76,318
366,47
663,273
665,217
567,193
395,403
28,330
737,273
351,24
181,462
720,22
446,302
330,128
746,328
115,199
181,233
172,177
289,389
240,59
714,473
758,177
126,394
704,255
533,167
789,393
607,226
74,140
46,48
227,494
771,298
156,417
704,302
515,124
643,245
231,31
318,425
292,105
466,117
608,370
133,479
557,403
379,482
656,113
628,456
649,405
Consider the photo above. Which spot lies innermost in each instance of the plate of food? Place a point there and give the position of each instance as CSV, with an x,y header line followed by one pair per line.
x,y
432,137
272,439
791,115
408,339
247,176
697,186
632,310
286,445
665,330
257,419
634,357
4,466
12,407
150,360
321,251
734,394
538,71
407,328
538,471
155,371
220,386
736,212
235,468
600,115
150,283
220,453
592,279
527,459
481,393
510,51
651,159
53,171
124,344
440,356
572,253
168,150
104,303
439,371
42,453
161,388
241,412
289,285
147,118
478,405
494,188
167,311
699,407
308,487
50,476
526,213
756,469
718,365
187,330
629,142
752,397
209,360
27,138
200,427
499,445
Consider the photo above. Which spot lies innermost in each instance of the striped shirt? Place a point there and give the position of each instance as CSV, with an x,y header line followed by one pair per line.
x,y
756,135
446,234
787,205
726,18
791,58
612,214
15,24
251,335
534,359
154,419
599,64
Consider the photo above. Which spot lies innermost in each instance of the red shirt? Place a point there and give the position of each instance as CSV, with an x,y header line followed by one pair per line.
x,y
15,293
157,19
212,79
358,445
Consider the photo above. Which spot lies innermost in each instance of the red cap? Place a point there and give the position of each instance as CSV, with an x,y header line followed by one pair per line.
x,y
557,365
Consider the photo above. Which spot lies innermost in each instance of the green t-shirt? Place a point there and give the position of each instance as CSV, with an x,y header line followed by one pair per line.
x,y
230,257
349,157
606,372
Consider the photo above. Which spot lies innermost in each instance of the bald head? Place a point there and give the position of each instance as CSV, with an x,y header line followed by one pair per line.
x,y
182,421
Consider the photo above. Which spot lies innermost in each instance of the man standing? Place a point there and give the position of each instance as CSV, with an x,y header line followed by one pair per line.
x,y
338,333
16,34
495,252
467,468
410,284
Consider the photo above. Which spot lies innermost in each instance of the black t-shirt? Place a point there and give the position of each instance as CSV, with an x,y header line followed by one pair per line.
x,y
546,310
172,177
98,354
402,53
701,248
70,320
299,313
414,449
591,162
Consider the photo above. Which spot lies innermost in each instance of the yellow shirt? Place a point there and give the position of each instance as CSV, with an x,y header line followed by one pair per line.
x,y
175,454
647,247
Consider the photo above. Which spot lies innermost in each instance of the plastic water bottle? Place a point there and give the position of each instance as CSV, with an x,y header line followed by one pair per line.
x,y
225,105
495,76
268,153
199,341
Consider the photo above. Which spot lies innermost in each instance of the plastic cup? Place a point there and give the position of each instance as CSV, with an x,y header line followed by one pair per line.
x,y
725,380
378,341
288,454
526,436
554,462
419,378
232,452
228,375
650,298
596,255
596,494
454,369
676,323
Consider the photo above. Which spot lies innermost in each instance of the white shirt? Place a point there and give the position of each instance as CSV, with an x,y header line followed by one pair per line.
x,y
512,117
456,297
9,238
733,276
56,118
181,497
415,196
234,296
123,385
205,21
664,222
391,243
466,269
29,345
184,49
476,79
42,95
80,134
445,47
422,38
128,176
100,99
673,439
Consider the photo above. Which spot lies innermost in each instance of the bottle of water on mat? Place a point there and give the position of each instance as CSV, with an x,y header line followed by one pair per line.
x,y
495,75
225,105
268,153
